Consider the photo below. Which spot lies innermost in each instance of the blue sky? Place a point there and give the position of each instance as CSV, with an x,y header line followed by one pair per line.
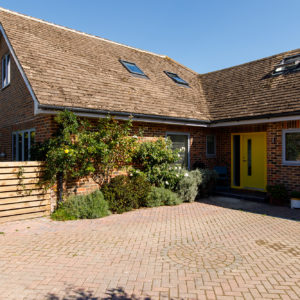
x,y
203,35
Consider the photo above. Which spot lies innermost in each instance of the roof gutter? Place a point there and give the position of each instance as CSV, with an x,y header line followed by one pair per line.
x,y
95,113
267,118
147,118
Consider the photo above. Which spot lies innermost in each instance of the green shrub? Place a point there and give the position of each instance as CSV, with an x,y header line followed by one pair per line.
x,y
90,206
160,196
189,184
156,159
278,194
295,194
195,183
209,178
124,194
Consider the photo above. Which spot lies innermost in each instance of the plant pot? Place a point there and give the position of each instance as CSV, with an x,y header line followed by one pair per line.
x,y
295,202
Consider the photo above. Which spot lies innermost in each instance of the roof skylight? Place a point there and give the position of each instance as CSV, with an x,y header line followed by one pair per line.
x,y
176,78
288,64
132,68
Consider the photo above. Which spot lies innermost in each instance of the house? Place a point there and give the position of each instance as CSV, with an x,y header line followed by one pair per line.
x,y
246,117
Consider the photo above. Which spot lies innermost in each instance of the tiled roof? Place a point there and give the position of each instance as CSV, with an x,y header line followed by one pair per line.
x,y
246,90
68,68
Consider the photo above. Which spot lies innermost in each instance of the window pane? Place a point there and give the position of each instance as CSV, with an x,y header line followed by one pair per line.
x,y
292,152
249,157
32,139
180,142
210,145
14,147
20,147
26,144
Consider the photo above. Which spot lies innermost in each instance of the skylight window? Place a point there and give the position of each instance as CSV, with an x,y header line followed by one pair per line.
x,y
132,68
176,78
288,65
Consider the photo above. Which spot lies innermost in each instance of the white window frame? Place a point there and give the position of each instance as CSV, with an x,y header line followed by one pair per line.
x,y
16,157
211,155
6,62
188,137
284,161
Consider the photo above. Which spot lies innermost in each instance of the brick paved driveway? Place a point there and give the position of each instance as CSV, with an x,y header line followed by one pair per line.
x,y
191,251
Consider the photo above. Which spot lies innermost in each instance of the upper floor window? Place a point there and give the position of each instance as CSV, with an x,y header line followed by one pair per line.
x,y
132,68
288,65
176,78
291,147
211,146
21,144
5,70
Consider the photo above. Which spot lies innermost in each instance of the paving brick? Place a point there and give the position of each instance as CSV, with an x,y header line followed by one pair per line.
x,y
190,251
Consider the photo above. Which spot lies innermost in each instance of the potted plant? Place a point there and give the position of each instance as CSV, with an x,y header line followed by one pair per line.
x,y
295,199
278,194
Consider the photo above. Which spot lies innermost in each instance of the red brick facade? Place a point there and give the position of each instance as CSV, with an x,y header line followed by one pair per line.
x,y
276,171
17,113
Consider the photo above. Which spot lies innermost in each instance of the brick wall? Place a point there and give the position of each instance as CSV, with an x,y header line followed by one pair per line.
x,y
276,172
17,109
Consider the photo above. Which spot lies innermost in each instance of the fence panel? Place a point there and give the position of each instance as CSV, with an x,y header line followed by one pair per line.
x,y
20,196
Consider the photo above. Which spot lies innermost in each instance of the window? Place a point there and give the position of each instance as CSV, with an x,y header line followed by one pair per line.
x,y
180,141
5,70
211,146
21,144
291,147
288,65
132,68
176,78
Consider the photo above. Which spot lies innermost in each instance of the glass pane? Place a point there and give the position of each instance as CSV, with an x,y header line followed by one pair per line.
x,y
133,68
20,147
210,144
32,139
236,160
249,142
180,142
26,144
292,152
14,147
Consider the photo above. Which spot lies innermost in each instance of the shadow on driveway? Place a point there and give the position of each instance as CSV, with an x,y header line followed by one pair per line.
x,y
80,294
254,207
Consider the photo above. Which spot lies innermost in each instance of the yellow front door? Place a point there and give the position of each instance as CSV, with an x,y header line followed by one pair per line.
x,y
250,163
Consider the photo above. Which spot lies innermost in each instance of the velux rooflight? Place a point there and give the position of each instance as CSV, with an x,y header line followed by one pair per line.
x,y
176,78
132,68
288,65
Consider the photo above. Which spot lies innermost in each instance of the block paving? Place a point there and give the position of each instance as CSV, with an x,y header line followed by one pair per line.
x,y
195,250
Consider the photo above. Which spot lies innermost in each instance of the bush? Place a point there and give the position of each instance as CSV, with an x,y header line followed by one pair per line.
x,y
278,194
124,194
90,206
189,184
197,182
209,178
295,194
160,196
156,159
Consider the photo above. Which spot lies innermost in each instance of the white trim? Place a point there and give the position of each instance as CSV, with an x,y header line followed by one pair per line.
x,y
13,54
189,140
215,146
256,121
78,32
135,119
284,161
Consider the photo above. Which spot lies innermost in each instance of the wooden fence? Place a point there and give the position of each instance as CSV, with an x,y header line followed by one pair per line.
x,y
20,196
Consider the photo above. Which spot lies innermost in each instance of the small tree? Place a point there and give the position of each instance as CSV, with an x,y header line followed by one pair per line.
x,y
79,149
111,148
